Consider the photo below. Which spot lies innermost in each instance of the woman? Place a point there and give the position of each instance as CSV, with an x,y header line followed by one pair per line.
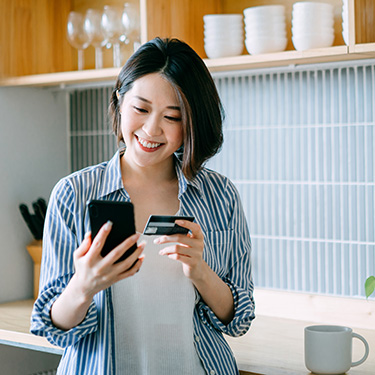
x,y
164,309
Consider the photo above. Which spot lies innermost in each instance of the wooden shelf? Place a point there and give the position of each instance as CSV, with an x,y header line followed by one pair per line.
x,y
32,65
336,53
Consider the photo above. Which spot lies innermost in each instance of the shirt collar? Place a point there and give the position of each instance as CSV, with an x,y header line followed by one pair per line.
x,y
112,177
183,182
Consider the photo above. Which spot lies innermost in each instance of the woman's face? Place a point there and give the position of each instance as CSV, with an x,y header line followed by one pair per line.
x,y
151,123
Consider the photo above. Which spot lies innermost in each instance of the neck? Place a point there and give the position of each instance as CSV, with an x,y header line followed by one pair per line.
x,y
156,174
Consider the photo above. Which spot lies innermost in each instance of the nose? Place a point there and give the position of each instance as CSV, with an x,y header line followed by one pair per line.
x,y
152,126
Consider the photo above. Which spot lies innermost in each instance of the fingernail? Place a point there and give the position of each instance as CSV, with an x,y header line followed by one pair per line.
x,y
180,222
87,234
108,225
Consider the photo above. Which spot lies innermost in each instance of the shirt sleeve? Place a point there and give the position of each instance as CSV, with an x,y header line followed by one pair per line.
x,y
57,268
238,276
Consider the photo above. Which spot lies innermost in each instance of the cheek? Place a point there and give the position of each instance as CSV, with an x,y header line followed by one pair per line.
x,y
179,136
127,124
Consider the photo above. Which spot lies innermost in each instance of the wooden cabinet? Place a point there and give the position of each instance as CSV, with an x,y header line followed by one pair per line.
x,y
34,45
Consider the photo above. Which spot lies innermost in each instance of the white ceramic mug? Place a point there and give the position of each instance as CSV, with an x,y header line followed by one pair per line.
x,y
328,349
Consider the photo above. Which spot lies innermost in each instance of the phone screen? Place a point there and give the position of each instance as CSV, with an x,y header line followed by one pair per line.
x,y
121,214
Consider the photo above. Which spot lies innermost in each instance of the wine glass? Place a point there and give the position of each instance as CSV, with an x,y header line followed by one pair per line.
x,y
131,23
96,35
76,35
113,30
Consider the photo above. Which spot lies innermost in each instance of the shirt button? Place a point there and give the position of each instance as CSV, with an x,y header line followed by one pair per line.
x,y
212,372
197,339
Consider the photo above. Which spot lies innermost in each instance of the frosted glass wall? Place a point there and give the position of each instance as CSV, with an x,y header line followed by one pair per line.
x,y
299,145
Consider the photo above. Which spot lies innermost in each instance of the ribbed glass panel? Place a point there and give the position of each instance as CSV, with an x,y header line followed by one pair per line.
x,y
91,137
299,145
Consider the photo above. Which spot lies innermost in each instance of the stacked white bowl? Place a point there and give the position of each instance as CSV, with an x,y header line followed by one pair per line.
x,y
345,21
265,29
312,25
223,35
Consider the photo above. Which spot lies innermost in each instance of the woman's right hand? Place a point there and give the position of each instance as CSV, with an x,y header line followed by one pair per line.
x,y
93,273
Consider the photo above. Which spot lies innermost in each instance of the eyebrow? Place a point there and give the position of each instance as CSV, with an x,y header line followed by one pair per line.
x,y
148,102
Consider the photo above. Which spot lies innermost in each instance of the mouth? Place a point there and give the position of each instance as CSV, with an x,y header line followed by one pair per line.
x,y
147,145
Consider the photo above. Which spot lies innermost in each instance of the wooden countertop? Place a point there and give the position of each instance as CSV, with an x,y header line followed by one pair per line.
x,y
273,346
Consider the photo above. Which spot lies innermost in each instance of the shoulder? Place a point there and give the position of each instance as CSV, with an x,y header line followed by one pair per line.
x,y
78,184
87,177
209,180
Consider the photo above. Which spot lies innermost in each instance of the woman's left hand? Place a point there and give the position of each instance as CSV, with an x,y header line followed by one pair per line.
x,y
188,249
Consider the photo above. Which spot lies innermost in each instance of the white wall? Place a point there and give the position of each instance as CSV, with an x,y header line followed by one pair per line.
x,y
33,156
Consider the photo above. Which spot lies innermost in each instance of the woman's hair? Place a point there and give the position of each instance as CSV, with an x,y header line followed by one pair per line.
x,y
201,108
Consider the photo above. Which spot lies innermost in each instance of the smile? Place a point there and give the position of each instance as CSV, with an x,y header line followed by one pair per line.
x,y
147,144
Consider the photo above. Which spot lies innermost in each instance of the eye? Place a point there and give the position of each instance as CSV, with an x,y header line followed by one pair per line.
x,y
171,118
140,110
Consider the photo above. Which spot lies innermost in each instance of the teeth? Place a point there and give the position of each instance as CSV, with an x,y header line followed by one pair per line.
x,y
148,144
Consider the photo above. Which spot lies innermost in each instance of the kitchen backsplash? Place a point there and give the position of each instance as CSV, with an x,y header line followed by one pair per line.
x,y
299,145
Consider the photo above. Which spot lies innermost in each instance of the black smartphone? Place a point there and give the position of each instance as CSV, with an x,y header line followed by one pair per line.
x,y
121,214
164,224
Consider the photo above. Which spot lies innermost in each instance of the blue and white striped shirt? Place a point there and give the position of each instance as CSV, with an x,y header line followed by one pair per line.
x,y
214,202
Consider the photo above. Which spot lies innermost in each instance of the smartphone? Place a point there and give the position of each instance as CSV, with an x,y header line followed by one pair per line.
x,y
164,224
122,216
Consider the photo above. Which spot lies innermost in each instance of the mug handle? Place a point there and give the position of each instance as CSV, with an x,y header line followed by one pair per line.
x,y
366,349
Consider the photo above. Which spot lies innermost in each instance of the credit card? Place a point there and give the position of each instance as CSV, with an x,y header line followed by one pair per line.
x,y
165,225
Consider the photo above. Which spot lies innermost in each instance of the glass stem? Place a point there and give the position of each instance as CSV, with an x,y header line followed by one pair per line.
x,y
116,55
98,58
80,59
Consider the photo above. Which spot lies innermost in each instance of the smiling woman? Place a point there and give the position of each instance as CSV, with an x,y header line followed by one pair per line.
x,y
168,304
187,75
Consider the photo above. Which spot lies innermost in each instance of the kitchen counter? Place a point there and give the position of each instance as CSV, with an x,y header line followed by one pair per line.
x,y
273,346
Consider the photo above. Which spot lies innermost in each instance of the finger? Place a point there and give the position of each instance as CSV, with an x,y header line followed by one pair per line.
x,y
176,250
194,228
84,247
100,238
178,238
114,255
133,270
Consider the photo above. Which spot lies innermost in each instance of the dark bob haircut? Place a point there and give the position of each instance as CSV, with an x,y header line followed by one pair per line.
x,y
201,108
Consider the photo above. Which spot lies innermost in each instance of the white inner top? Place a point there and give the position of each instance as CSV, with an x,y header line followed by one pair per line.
x,y
154,318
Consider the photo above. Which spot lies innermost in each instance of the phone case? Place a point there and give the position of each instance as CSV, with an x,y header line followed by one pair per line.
x,y
121,214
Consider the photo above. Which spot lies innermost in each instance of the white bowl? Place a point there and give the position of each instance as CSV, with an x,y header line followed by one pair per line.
x,y
217,50
321,17
222,30
259,45
253,33
311,14
312,30
312,6
222,20
224,39
224,33
265,11
312,22
264,19
311,41
273,28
